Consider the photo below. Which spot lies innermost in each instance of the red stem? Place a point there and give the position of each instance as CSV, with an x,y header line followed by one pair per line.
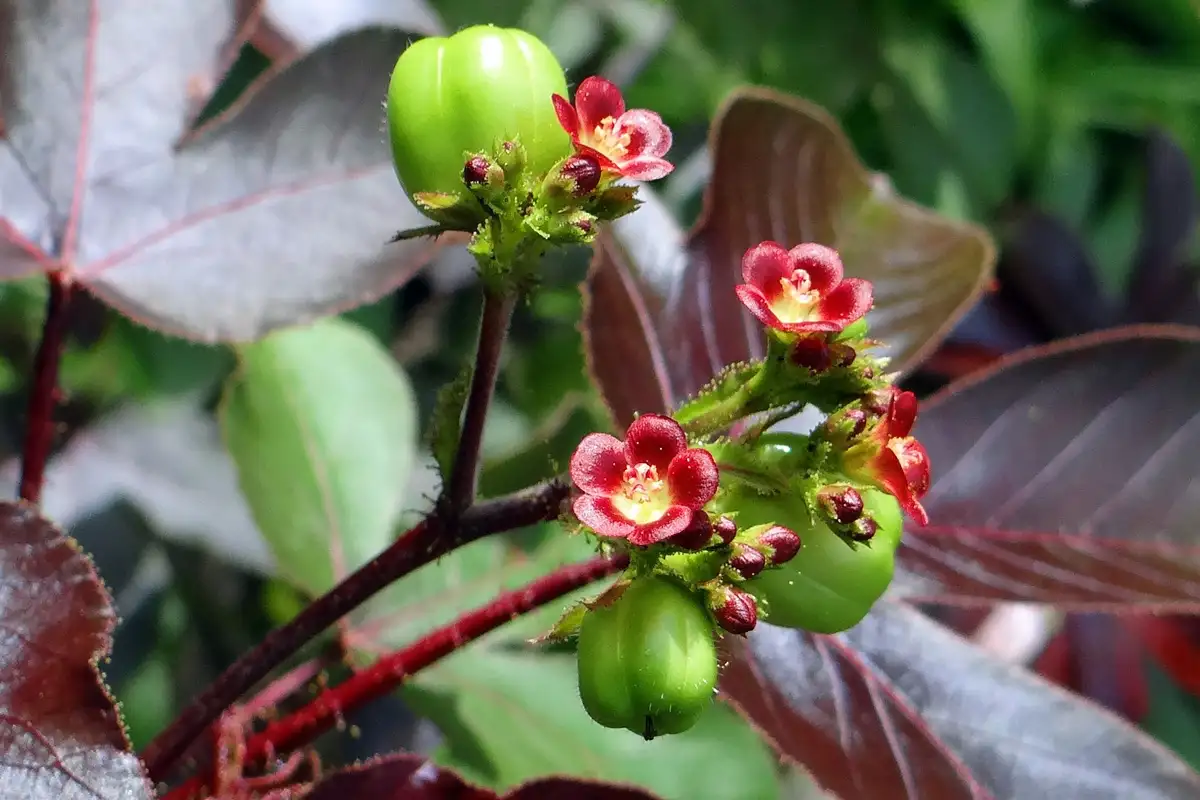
x,y
44,394
391,670
420,546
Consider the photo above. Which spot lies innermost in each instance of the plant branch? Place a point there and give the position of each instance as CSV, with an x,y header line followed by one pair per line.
x,y
44,393
498,308
390,671
423,544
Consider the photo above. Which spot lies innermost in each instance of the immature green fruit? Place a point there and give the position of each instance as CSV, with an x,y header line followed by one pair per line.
x,y
786,451
648,662
467,93
828,587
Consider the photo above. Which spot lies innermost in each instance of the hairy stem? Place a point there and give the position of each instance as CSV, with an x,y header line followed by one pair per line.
x,y
390,671
493,330
44,394
423,544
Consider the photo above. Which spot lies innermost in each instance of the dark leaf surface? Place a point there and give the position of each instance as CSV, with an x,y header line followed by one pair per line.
x,y
409,777
899,707
59,730
1067,475
276,214
662,316
286,29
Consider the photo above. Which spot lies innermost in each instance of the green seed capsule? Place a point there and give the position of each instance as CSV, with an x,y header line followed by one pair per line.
x,y
648,662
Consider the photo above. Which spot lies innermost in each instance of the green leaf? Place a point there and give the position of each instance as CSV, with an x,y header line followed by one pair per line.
x,y
509,716
1174,715
1005,35
321,424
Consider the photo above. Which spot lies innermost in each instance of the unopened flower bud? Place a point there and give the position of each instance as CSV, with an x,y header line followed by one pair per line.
x,y
782,543
736,610
697,535
863,529
812,353
842,504
842,355
877,401
846,425
482,171
726,529
511,157
614,202
747,561
583,172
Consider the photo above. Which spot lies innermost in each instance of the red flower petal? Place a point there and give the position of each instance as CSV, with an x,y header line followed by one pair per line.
x,y
764,266
915,463
847,302
648,134
692,478
646,168
902,413
566,115
599,514
654,439
598,464
889,473
823,265
595,99
675,521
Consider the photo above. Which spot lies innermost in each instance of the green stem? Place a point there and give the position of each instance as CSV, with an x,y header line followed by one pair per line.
x,y
748,397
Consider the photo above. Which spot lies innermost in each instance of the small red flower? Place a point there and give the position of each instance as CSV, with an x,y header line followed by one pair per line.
x,y
628,143
892,459
801,290
645,489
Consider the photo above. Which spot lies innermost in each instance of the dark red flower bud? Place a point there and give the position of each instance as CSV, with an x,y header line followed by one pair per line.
x,y
726,529
747,561
863,529
783,544
843,504
583,172
475,173
736,610
843,355
697,535
812,353
845,426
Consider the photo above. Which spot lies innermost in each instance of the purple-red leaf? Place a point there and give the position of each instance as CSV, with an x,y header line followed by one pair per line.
x,y
276,214
901,708
410,777
662,316
60,733
1067,475
287,29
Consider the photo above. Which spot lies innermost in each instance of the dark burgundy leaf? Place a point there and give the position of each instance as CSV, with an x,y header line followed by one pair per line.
x,y
1161,279
782,170
398,777
410,777
59,731
899,707
287,29
1067,475
1046,269
275,215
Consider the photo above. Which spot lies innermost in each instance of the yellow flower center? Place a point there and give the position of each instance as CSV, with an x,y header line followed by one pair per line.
x,y
643,497
796,302
606,140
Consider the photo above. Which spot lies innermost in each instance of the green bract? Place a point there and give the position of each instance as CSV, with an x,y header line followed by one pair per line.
x,y
828,587
648,662
451,96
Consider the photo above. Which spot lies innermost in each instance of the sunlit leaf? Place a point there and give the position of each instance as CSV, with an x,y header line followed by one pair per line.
x,y
276,214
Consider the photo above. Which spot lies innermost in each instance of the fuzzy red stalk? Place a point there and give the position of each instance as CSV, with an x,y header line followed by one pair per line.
x,y
44,393
391,670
